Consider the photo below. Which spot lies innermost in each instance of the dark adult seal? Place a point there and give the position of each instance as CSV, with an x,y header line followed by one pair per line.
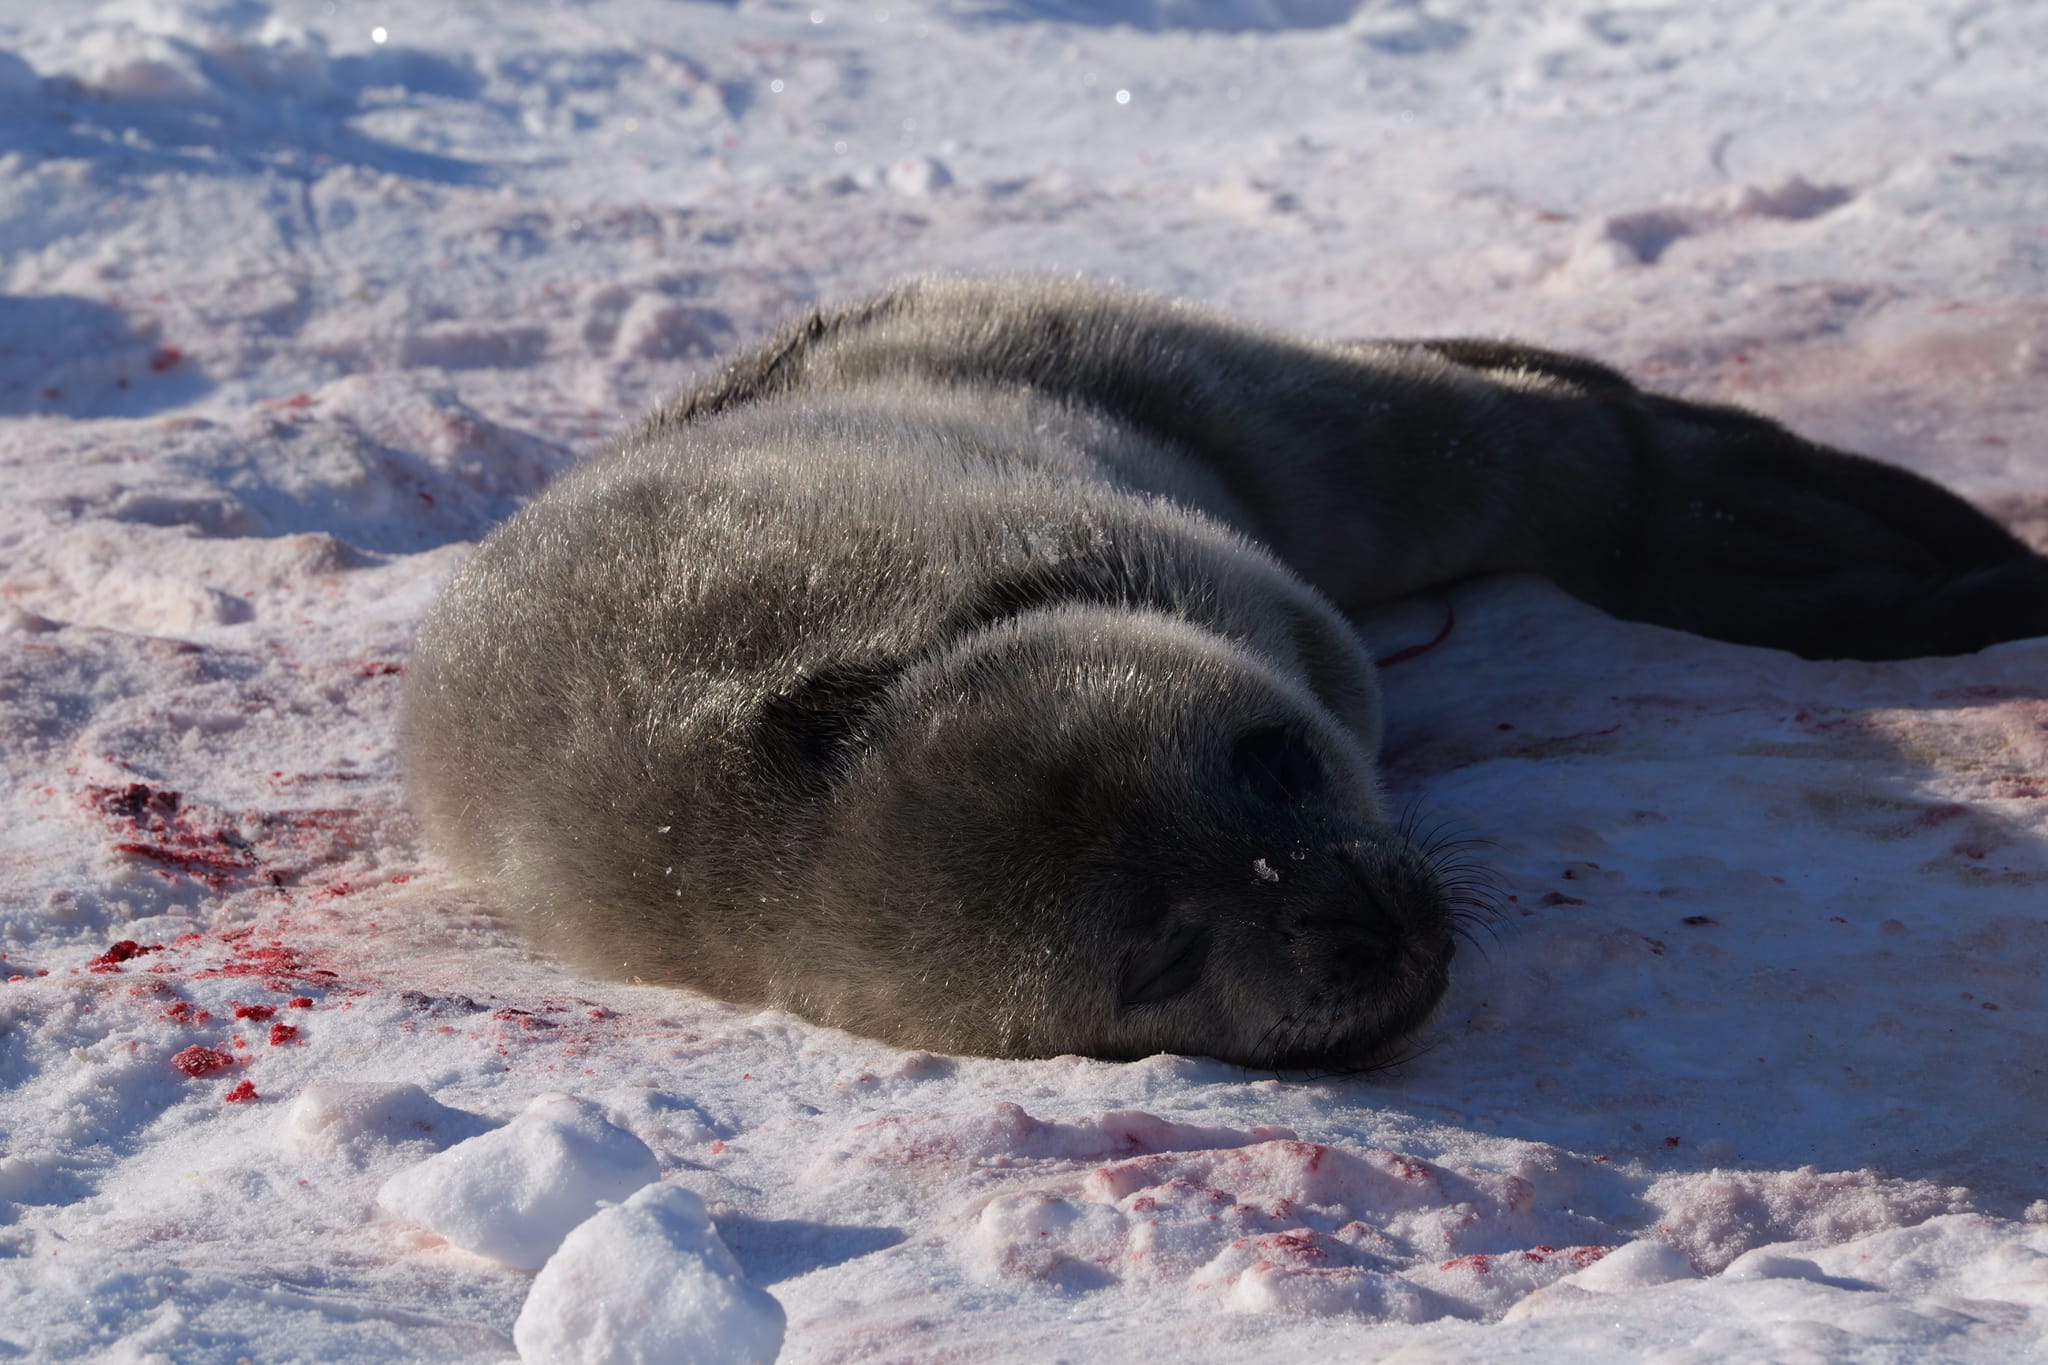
x,y
967,667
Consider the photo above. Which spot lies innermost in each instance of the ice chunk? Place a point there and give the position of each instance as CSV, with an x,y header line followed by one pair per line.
x,y
648,1280
513,1194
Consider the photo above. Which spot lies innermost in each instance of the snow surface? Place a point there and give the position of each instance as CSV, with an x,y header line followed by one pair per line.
x,y
297,299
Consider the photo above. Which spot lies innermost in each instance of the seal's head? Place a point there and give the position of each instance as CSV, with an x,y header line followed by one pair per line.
x,y
1110,832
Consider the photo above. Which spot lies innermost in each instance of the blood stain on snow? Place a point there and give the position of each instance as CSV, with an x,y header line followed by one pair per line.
x,y
199,1061
185,1012
259,1013
167,829
276,963
300,1002
161,815
280,1034
243,1092
124,951
165,358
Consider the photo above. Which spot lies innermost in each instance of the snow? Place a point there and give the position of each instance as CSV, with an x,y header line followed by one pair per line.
x,y
514,1193
290,315
647,1281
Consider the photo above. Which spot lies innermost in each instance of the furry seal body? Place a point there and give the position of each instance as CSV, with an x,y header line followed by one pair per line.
x,y
967,667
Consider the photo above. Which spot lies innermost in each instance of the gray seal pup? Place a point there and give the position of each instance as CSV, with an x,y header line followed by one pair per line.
x,y
967,667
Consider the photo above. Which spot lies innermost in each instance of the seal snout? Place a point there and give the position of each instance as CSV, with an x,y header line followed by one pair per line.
x,y
1359,935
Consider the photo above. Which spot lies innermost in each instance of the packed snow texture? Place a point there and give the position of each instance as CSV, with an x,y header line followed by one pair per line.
x,y
644,1283
514,1193
298,299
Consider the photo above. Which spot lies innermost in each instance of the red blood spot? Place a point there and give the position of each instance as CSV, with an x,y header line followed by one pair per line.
x,y
52,394
203,1061
1671,1142
380,668
280,1034
1476,1263
717,1146
123,951
257,1012
185,1012
297,400
243,1092
165,358
301,1002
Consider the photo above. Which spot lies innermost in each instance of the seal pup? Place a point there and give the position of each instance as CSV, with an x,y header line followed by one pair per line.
x,y
966,667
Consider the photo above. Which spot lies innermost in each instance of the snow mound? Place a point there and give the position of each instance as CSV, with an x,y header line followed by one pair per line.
x,y
1637,1266
1293,1227
1222,16
515,1193
18,80
354,1119
156,50
648,1280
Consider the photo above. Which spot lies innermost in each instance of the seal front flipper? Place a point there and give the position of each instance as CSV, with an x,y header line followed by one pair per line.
x,y
1737,528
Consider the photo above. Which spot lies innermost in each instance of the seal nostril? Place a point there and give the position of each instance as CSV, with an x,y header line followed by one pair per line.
x,y
1277,765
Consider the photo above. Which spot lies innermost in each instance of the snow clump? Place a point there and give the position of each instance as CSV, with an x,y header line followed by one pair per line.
x,y
647,1281
513,1194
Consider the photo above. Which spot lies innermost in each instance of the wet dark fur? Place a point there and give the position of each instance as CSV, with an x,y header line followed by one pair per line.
x,y
967,667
